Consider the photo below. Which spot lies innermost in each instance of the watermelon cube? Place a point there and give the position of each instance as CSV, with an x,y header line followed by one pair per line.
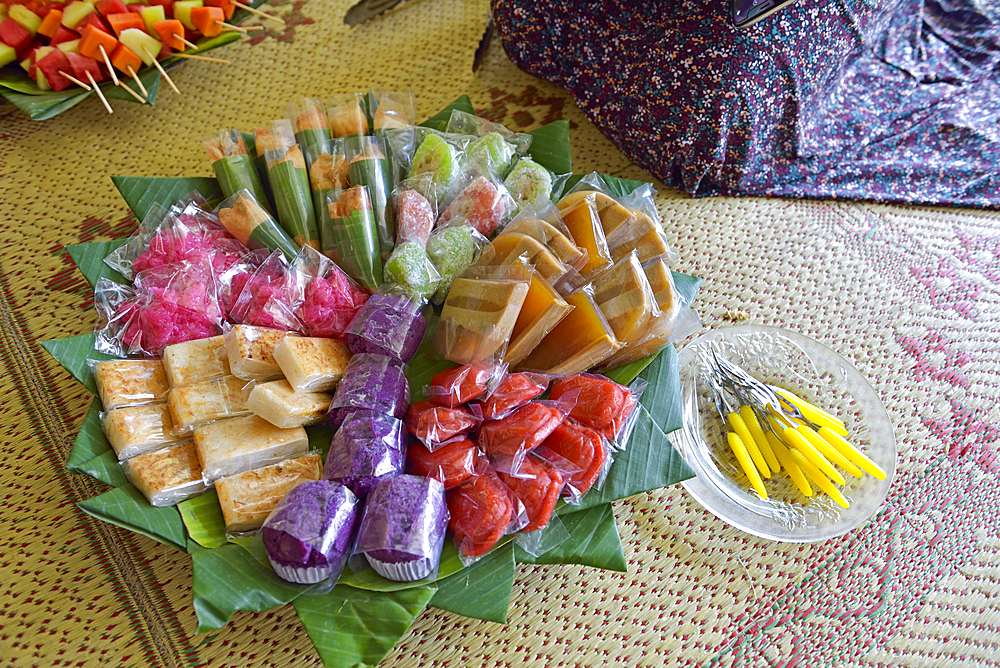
x,y
63,35
51,67
37,54
81,65
14,35
93,19
110,7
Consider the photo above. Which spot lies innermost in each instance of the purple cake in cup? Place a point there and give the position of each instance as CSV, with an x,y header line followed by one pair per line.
x,y
371,382
387,325
403,526
308,535
367,448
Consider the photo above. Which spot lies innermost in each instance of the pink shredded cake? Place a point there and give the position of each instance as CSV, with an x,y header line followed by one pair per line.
x,y
266,299
330,304
177,245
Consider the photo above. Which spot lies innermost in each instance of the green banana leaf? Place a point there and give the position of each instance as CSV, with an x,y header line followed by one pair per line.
x,y
595,542
141,192
92,454
439,121
351,627
550,147
482,590
126,507
72,353
89,259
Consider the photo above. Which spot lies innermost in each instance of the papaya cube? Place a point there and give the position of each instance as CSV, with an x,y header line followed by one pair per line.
x,y
142,45
151,15
208,20
226,6
81,64
123,58
63,34
52,66
27,18
14,35
182,12
51,23
124,21
93,39
170,31
75,12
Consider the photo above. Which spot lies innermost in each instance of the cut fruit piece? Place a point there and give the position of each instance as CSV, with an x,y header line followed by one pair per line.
x,y
208,20
27,18
108,8
151,15
478,317
123,58
542,310
581,340
92,40
182,11
82,65
69,47
75,12
14,35
52,66
63,35
122,22
51,23
141,44
439,159
7,54
170,31
227,6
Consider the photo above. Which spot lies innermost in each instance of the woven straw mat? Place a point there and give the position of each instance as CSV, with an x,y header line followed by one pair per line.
x,y
911,296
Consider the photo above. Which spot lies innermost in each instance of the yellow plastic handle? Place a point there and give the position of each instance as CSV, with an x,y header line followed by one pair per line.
x,y
852,453
750,420
740,450
798,442
737,424
816,415
830,452
817,476
791,468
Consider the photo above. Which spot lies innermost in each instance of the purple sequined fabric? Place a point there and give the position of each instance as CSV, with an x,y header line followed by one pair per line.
x,y
891,101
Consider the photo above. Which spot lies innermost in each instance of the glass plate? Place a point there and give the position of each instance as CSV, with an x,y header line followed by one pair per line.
x,y
816,374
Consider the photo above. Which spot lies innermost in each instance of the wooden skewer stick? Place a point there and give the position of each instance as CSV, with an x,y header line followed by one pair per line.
x,y
230,28
107,61
189,44
194,57
99,93
138,82
157,65
132,92
75,80
254,10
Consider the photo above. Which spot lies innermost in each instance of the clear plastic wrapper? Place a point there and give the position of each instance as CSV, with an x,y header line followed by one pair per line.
x,y
269,298
233,164
481,202
121,258
530,183
228,447
433,424
507,441
482,511
310,125
579,452
538,542
194,405
523,245
462,384
512,392
542,310
601,404
663,325
538,485
134,430
243,216
247,498
480,312
452,250
279,403
368,166
402,529
396,109
584,224
168,304
329,177
312,364
167,476
196,361
129,382
422,150
545,225
452,462
231,281
367,448
626,299
580,340
416,214
371,382
251,352
410,269
329,298
309,534
388,324
286,172
347,115
351,236
495,148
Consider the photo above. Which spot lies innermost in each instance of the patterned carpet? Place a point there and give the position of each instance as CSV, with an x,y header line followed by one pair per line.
x,y
911,296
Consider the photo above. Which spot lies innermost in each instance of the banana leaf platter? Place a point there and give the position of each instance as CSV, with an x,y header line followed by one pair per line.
x,y
364,616
21,91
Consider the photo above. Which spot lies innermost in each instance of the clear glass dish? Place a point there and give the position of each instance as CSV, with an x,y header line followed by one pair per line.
x,y
818,375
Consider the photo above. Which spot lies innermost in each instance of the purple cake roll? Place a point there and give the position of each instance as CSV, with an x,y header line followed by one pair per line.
x,y
367,448
308,536
387,325
403,526
371,382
